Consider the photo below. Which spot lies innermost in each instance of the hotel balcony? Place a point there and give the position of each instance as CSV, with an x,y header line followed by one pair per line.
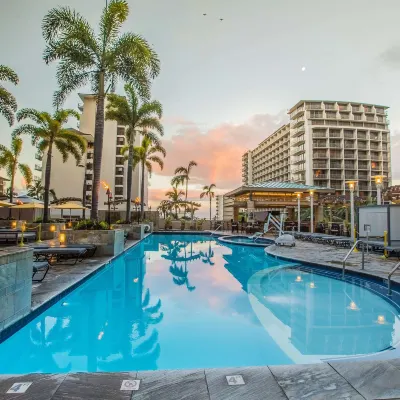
x,y
38,168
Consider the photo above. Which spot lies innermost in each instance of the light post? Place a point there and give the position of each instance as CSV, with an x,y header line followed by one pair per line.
x,y
109,196
312,211
298,194
137,204
379,186
352,185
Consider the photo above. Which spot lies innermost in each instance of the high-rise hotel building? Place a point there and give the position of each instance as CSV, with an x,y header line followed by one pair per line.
x,y
325,144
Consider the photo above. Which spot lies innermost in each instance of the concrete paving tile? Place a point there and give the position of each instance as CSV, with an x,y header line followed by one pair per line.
x,y
373,379
172,385
43,387
91,386
316,382
259,384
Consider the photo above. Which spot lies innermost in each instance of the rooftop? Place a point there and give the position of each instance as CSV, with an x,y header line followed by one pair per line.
x,y
333,101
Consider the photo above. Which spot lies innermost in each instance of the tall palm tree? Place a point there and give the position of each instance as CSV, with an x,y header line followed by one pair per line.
x,y
174,196
37,191
46,132
138,119
9,159
183,176
145,155
99,59
164,207
8,104
208,191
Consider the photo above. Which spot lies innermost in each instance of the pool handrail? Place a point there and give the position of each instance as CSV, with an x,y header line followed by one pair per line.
x,y
219,226
390,276
348,255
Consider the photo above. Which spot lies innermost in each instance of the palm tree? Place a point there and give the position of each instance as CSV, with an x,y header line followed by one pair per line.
x,y
175,198
208,192
207,258
99,59
8,104
47,132
9,159
37,191
183,176
138,119
145,155
164,207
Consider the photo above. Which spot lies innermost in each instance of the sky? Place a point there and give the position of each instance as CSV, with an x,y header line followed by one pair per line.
x,y
226,85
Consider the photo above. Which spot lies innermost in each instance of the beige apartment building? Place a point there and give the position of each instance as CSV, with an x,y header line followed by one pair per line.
x,y
71,180
325,144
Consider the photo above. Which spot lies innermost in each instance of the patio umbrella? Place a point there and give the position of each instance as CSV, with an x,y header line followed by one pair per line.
x,y
69,206
28,206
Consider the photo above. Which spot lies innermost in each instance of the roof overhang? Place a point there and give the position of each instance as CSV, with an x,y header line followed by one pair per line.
x,y
283,187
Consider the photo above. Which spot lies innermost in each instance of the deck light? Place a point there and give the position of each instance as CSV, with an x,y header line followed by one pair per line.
x,y
352,185
13,224
312,285
298,278
379,185
62,238
381,320
52,228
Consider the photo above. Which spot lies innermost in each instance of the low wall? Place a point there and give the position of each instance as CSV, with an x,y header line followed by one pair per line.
x,y
109,243
15,284
49,230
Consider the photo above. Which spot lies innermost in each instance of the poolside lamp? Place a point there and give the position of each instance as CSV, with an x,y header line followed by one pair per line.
x,y
62,238
352,186
312,285
52,228
298,194
13,224
379,185
298,278
311,211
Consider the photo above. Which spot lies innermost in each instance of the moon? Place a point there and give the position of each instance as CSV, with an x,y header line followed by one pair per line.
x,y
303,68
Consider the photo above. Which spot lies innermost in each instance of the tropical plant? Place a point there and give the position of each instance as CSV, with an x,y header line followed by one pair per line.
x,y
9,159
164,207
183,177
193,208
138,119
208,192
99,59
174,195
145,155
88,224
36,190
8,104
46,132
207,258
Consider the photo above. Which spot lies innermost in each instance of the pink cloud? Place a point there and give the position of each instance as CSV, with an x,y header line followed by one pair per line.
x,y
219,150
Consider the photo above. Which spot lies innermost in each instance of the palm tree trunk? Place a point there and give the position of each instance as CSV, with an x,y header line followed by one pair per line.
x,y
129,181
47,182
142,193
12,184
98,148
186,193
210,211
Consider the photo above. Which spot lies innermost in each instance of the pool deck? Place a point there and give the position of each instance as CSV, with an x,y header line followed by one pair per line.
x,y
348,381
368,380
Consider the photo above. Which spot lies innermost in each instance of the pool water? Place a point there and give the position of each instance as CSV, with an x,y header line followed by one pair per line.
x,y
185,301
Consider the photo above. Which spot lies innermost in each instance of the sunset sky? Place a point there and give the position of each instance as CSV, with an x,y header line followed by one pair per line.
x,y
225,85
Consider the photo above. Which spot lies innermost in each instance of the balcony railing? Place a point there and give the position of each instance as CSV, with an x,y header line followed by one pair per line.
x,y
319,135
38,167
320,165
336,166
336,176
319,155
39,156
321,176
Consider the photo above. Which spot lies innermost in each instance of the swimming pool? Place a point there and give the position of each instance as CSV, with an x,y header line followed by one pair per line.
x,y
185,301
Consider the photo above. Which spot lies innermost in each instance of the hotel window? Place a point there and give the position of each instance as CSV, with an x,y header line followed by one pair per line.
x,y
331,115
120,131
119,191
316,114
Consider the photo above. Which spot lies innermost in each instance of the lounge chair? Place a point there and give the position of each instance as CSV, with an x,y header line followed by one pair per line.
x,y
91,248
57,254
40,267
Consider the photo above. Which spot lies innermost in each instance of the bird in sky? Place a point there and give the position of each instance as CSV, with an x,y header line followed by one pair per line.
x,y
221,19
204,14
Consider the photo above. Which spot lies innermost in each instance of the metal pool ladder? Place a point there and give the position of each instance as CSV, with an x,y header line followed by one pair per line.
x,y
390,276
348,255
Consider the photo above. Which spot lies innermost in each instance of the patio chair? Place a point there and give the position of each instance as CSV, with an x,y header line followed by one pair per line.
x,y
58,254
91,248
40,267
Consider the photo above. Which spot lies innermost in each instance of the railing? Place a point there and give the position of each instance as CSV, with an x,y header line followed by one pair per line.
x,y
389,277
218,227
348,255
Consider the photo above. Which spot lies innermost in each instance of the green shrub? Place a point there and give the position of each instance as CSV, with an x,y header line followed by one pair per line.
x,y
91,225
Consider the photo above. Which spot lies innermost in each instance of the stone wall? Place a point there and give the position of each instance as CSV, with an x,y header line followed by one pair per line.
x,y
109,242
15,284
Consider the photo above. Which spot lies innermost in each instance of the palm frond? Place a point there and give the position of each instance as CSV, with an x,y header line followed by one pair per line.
x,y
16,146
7,74
112,19
26,172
